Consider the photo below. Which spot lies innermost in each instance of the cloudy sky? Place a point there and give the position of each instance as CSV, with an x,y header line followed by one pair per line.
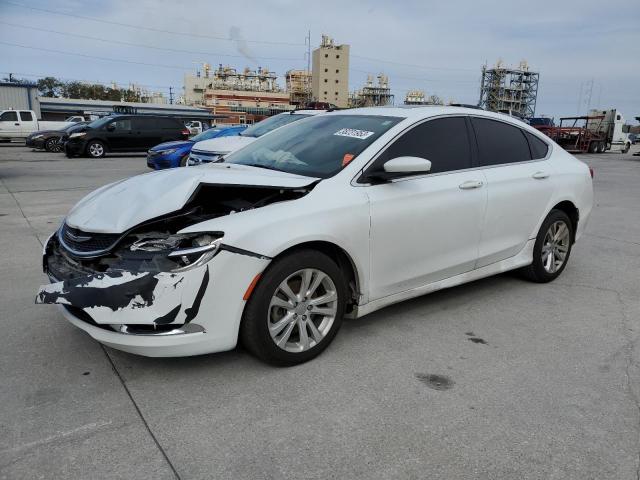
x,y
586,51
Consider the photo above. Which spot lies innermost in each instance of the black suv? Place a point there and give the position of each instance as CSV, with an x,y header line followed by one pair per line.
x,y
124,133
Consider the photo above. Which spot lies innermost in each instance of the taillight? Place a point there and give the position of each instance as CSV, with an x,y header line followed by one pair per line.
x,y
591,171
186,132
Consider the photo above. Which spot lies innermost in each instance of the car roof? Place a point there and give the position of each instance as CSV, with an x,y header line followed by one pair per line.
x,y
417,112
305,112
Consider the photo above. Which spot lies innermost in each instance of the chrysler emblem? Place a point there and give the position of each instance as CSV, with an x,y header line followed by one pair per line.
x,y
76,238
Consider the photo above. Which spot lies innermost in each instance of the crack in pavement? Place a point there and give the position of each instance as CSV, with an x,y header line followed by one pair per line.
x,y
113,365
629,349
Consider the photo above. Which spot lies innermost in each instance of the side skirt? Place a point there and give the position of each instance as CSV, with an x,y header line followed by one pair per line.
x,y
520,260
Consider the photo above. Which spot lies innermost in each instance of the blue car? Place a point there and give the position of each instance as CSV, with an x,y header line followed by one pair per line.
x,y
175,154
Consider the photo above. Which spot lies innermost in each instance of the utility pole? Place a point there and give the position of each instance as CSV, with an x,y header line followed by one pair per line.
x,y
171,95
308,42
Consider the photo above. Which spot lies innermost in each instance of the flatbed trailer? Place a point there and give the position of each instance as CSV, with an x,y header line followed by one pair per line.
x,y
576,135
597,132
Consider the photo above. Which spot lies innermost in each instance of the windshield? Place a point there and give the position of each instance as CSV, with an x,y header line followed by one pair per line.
x,y
317,147
206,135
74,127
100,122
271,123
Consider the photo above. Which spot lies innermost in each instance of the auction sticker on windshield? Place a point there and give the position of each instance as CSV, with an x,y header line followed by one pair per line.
x,y
354,133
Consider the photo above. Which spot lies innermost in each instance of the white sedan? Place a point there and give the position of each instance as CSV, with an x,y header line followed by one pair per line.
x,y
335,215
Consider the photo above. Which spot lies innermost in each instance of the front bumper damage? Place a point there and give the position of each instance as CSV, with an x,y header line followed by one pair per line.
x,y
156,314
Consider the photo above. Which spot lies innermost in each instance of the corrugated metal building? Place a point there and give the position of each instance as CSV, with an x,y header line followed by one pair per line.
x,y
61,108
19,96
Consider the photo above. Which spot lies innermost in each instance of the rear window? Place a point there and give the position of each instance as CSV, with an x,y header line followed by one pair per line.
x,y
499,142
538,147
26,116
156,123
271,123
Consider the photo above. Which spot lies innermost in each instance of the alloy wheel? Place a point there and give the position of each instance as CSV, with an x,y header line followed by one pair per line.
x,y
556,246
302,310
96,150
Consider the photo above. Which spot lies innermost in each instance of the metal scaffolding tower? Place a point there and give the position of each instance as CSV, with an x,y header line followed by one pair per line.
x,y
372,95
509,90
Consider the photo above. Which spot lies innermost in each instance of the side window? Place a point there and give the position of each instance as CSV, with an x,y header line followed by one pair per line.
x,y
499,143
11,116
145,124
120,125
444,142
538,148
26,116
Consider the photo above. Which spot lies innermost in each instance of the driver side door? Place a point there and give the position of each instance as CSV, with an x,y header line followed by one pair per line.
x,y
427,227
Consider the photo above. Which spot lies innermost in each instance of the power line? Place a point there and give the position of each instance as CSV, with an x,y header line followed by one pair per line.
x,y
150,29
96,57
68,79
129,44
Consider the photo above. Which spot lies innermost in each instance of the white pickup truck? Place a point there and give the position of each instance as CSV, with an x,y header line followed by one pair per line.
x,y
21,123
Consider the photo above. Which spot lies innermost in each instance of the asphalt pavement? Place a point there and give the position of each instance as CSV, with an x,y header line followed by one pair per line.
x,y
497,379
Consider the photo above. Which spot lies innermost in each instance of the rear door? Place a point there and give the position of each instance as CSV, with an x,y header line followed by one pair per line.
x,y
28,123
519,186
426,228
172,129
147,132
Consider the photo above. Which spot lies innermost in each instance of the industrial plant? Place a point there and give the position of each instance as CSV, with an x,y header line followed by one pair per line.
x,y
509,90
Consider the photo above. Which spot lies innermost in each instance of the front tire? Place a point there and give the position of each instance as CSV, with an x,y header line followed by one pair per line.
x,y
96,149
295,310
52,145
552,248
183,160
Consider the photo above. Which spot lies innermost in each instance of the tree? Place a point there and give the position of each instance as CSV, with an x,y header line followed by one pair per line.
x,y
50,87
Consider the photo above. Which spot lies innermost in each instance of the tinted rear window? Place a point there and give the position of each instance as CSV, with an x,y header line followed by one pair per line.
x,y
538,147
26,116
156,123
499,142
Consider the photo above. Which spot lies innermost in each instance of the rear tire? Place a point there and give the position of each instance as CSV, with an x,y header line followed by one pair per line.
x,y
96,149
552,248
279,325
593,147
601,147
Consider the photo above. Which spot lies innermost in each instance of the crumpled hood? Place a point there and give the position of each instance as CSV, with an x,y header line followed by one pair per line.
x,y
117,207
174,144
223,144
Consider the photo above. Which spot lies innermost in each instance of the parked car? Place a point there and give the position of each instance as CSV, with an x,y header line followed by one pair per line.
x,y
49,140
340,214
212,150
634,138
22,123
175,154
124,133
196,127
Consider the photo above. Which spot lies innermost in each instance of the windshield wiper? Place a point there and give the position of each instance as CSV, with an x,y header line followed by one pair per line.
x,y
266,167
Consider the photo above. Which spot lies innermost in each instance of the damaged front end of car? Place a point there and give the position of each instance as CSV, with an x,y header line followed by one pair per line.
x,y
151,279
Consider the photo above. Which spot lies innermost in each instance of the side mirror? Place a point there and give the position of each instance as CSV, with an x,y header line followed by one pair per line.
x,y
407,165
111,127
400,167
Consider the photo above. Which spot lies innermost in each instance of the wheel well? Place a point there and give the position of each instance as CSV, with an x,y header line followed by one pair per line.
x,y
342,259
571,211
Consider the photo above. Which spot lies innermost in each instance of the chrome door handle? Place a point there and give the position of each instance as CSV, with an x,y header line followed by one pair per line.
x,y
468,185
540,175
